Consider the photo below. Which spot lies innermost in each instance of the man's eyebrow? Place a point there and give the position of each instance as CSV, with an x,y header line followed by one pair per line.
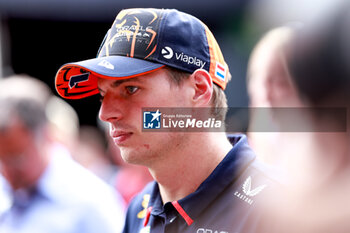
x,y
117,83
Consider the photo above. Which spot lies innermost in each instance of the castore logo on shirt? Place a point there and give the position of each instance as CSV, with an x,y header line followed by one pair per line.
x,y
248,191
203,230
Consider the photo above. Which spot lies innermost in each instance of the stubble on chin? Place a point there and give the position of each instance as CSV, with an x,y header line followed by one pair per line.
x,y
137,156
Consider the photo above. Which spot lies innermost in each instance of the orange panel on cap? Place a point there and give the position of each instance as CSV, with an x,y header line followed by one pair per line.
x,y
74,82
217,62
77,82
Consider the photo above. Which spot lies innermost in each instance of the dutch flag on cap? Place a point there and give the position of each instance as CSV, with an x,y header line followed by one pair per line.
x,y
220,71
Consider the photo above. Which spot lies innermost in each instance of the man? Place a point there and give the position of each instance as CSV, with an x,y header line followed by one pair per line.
x,y
50,192
271,89
169,59
268,78
318,189
319,64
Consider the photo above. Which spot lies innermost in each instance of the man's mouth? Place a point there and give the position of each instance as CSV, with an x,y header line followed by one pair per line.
x,y
120,137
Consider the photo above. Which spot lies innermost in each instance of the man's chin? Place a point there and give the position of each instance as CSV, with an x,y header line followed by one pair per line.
x,y
130,156
133,156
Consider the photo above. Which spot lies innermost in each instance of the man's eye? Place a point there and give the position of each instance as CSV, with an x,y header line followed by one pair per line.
x,y
131,89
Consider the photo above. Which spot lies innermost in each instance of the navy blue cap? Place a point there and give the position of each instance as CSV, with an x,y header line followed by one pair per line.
x,y
142,41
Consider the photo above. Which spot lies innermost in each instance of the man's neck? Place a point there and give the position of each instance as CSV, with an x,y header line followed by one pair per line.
x,y
189,167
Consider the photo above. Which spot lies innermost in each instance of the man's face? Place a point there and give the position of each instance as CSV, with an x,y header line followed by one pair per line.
x,y
270,84
15,150
122,103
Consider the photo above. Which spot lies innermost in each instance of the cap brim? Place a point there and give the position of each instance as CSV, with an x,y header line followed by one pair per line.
x,y
78,80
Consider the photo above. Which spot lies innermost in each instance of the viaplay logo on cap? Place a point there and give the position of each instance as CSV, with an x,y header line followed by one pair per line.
x,y
167,52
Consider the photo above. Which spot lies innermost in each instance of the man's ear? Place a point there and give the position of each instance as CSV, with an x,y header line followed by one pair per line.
x,y
203,87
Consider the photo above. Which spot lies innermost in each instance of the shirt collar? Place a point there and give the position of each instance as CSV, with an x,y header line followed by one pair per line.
x,y
234,163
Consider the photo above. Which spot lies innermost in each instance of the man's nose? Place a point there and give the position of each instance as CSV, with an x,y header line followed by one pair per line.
x,y
109,110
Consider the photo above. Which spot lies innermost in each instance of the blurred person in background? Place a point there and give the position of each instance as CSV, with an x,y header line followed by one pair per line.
x,y
49,191
63,123
89,146
5,201
268,77
316,197
85,143
91,152
271,88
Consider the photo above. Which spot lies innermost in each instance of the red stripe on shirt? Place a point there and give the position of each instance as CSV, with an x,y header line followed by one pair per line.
x,y
182,212
148,214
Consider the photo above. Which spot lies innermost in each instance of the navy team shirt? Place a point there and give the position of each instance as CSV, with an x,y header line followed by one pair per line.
x,y
224,203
